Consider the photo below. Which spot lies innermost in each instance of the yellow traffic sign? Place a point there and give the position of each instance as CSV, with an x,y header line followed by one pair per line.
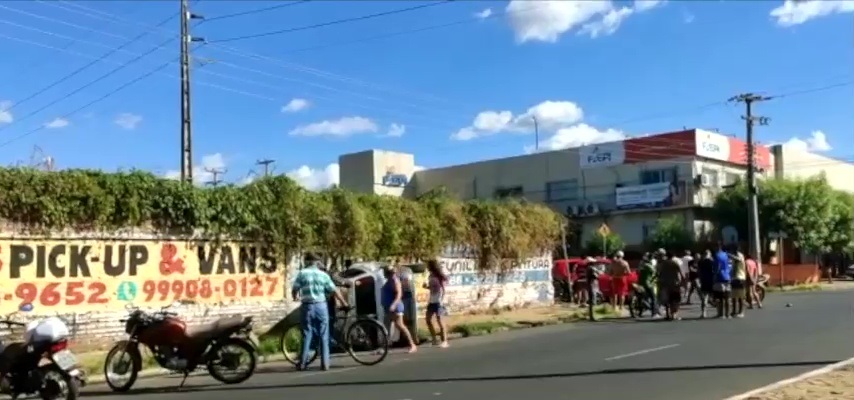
x,y
604,230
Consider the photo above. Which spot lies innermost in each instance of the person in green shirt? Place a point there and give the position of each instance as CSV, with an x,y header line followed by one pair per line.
x,y
646,279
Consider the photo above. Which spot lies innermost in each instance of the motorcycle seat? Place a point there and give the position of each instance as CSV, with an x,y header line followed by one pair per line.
x,y
219,326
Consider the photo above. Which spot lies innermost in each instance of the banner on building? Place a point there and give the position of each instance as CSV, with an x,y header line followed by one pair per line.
x,y
653,195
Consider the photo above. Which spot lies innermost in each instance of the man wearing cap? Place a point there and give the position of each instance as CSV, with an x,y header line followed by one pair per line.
x,y
312,287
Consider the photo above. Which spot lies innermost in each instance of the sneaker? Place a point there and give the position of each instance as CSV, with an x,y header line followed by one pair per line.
x,y
444,345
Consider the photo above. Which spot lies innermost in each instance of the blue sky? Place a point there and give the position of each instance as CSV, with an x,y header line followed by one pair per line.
x,y
459,90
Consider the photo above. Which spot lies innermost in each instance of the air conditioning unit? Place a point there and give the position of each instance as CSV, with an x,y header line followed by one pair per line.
x,y
591,209
705,180
572,211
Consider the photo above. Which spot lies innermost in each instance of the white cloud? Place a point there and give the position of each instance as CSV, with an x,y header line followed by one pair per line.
x,y
57,123
418,168
550,115
396,130
577,135
6,115
128,121
484,14
688,17
295,105
342,127
201,175
316,179
796,12
547,20
816,142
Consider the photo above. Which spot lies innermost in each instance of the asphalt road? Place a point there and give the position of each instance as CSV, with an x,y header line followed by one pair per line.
x,y
684,360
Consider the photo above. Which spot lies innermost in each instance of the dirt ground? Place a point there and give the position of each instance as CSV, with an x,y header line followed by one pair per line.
x,y
530,315
836,385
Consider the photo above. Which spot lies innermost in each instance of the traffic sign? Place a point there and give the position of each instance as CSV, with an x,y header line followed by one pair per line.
x,y
604,230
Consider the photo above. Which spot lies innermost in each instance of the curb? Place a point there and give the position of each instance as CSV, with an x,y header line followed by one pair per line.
x,y
796,379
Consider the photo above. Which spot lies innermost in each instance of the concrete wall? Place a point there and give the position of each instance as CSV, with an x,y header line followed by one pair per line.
x,y
793,163
377,172
470,290
55,267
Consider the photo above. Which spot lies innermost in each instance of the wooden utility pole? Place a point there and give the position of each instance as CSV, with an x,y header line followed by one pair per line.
x,y
215,173
266,164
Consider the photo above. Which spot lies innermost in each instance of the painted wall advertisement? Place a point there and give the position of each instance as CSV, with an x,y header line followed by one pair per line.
x,y
50,276
653,195
601,155
463,274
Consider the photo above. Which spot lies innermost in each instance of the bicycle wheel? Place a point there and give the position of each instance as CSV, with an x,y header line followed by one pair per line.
x,y
291,345
367,341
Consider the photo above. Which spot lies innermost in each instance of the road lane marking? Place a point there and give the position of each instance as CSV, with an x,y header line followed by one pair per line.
x,y
637,353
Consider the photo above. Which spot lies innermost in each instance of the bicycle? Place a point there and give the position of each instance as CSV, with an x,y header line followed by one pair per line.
x,y
353,334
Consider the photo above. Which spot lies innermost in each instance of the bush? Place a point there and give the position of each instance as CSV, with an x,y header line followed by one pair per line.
x,y
278,212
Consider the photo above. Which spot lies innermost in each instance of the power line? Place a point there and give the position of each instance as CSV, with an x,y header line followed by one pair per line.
x,y
86,86
114,18
83,68
260,10
336,22
89,104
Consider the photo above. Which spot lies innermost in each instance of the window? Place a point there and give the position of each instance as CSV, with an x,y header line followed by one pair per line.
x,y
658,176
514,191
562,190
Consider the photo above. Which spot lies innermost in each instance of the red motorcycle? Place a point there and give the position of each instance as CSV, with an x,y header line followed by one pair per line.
x,y
220,346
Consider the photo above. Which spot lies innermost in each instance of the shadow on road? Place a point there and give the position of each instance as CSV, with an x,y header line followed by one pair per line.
x,y
611,371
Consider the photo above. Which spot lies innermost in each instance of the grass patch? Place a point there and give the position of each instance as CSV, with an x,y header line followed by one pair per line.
x,y
807,287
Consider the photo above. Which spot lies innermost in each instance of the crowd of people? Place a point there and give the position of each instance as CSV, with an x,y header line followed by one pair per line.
x,y
316,290
724,279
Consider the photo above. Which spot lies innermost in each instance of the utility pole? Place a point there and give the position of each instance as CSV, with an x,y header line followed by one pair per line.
x,y
215,179
186,117
266,164
755,248
536,133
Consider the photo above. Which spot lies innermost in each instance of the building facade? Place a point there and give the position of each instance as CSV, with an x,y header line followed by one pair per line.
x,y
628,185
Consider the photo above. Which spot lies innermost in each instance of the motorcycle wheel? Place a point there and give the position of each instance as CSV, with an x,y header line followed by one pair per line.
x,y
62,380
635,307
123,350
760,291
215,361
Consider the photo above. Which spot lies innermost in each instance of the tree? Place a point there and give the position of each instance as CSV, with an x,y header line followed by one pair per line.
x,y
607,245
808,211
670,233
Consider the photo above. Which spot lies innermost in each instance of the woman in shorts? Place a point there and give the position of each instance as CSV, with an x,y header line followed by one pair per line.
x,y
392,295
436,285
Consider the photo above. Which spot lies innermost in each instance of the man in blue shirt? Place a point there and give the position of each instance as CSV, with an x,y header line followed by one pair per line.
x,y
723,281
312,287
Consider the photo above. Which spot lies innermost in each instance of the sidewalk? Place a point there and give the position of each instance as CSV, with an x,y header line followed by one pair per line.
x,y
834,385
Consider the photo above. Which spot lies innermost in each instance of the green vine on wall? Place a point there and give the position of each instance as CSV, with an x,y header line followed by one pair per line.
x,y
278,212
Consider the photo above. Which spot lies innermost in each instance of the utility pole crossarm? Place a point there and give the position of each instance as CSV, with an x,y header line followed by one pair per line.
x,y
266,164
215,173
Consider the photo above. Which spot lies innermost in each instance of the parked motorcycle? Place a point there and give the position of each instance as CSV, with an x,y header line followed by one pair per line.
x,y
41,364
219,346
